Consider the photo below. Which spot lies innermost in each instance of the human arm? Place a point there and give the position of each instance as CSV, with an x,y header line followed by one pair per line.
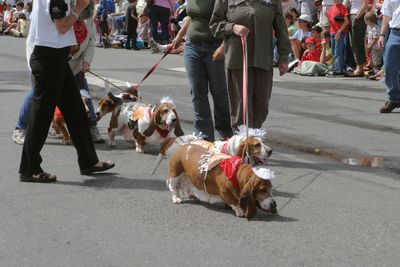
x,y
88,54
384,30
219,53
342,27
181,33
219,24
325,56
362,9
65,23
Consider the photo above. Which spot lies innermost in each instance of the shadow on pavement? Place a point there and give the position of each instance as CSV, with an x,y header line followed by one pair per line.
x,y
112,181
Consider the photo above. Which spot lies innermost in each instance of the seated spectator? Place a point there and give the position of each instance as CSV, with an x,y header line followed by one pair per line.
x,y
303,31
316,34
20,6
117,18
143,30
156,47
290,24
326,52
338,21
312,53
22,28
375,50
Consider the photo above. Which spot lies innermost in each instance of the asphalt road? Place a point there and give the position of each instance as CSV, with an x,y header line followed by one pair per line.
x,y
330,214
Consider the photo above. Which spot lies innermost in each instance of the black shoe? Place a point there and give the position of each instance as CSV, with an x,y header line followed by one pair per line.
x,y
388,107
334,73
105,166
136,48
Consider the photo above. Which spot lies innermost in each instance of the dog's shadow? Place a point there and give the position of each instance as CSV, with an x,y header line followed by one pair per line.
x,y
260,216
113,181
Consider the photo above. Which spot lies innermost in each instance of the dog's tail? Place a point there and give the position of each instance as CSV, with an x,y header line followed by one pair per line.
x,y
158,161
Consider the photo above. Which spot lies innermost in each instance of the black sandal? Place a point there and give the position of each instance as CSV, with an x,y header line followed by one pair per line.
x,y
105,166
43,177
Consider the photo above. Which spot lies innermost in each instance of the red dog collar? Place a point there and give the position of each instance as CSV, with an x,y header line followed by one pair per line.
x,y
163,133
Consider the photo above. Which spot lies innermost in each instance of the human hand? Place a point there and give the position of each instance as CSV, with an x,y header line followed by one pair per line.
x,y
381,41
85,67
81,5
337,36
219,53
283,68
176,41
240,30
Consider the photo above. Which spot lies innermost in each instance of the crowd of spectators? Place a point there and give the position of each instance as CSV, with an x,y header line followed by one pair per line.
x,y
335,37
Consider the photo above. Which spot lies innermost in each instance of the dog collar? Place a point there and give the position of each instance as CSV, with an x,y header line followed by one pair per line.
x,y
230,166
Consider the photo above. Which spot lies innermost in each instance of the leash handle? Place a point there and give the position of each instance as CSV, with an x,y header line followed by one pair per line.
x,y
151,70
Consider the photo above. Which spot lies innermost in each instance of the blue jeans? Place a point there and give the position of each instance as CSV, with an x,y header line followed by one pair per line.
x,y
338,51
204,75
26,107
392,66
24,111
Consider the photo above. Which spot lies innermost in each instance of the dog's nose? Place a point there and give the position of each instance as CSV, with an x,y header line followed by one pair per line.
x,y
174,120
269,153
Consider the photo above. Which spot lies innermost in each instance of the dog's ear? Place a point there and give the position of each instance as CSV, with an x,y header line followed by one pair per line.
x,y
114,118
114,98
152,124
178,128
247,201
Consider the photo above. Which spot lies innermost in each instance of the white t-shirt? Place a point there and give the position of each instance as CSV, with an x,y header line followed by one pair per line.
x,y
43,30
328,2
391,8
355,6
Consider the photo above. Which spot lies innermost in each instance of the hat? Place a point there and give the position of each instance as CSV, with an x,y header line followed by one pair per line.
x,y
317,1
305,17
310,40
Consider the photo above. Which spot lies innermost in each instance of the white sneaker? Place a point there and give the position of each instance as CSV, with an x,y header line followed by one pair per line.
x,y
96,137
18,136
153,46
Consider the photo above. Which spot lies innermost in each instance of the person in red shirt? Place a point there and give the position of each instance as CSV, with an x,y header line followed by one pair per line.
x,y
338,21
312,53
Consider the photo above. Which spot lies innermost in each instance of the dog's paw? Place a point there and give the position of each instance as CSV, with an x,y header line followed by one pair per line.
x,y
65,142
238,211
139,150
112,144
176,200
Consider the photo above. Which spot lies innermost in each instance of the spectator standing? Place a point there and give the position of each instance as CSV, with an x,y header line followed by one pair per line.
x,y
159,11
357,34
324,21
338,21
257,20
131,21
376,52
54,84
204,64
391,19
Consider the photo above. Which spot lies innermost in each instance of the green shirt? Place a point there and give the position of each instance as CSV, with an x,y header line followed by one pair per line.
x,y
262,18
200,12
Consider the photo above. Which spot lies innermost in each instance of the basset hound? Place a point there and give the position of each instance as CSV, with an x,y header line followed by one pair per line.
x,y
228,179
237,145
139,122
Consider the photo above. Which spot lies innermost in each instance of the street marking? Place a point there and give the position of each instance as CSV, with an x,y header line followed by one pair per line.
x,y
177,69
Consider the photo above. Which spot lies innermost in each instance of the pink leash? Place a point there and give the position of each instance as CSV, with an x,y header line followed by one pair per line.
x,y
247,158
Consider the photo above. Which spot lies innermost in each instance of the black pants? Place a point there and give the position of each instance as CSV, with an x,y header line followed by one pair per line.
x,y
54,84
159,14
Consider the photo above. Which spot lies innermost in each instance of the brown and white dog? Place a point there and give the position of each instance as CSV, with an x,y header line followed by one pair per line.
x,y
237,145
240,186
58,122
139,122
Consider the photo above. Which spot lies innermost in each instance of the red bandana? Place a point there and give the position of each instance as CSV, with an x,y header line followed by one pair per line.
x,y
80,31
230,166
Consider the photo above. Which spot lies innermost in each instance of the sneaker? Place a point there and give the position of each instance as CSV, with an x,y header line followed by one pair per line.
x,y
153,46
388,107
96,137
18,136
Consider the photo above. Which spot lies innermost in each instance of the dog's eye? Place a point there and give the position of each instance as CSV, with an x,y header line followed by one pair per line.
x,y
258,145
165,111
